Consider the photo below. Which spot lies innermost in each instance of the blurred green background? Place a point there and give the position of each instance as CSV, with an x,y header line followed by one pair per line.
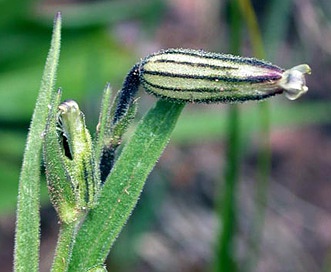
x,y
174,225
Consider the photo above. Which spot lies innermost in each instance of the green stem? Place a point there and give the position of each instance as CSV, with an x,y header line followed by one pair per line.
x,y
64,246
224,260
261,194
264,156
254,32
123,186
227,209
26,255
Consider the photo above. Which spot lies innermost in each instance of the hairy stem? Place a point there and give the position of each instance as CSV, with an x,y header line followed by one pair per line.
x,y
64,246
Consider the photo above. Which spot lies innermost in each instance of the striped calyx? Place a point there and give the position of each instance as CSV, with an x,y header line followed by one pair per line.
x,y
186,75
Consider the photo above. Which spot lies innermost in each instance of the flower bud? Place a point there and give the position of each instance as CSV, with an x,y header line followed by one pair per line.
x,y
77,145
68,156
60,189
185,75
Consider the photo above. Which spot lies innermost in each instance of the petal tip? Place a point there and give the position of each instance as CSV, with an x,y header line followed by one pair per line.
x,y
293,81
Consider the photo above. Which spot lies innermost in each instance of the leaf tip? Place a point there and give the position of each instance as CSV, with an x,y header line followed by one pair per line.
x,y
58,16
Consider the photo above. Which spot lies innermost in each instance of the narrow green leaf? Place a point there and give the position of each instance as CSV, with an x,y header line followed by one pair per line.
x,y
123,186
27,224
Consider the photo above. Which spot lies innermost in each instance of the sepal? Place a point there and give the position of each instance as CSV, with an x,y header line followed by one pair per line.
x,y
110,131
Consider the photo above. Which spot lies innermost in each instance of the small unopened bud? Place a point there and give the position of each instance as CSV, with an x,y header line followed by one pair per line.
x,y
77,145
69,162
60,189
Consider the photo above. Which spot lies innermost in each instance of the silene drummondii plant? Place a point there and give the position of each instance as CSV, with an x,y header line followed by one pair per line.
x,y
93,189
